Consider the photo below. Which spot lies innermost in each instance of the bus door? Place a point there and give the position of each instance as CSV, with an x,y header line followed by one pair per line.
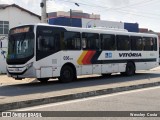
x,y
48,46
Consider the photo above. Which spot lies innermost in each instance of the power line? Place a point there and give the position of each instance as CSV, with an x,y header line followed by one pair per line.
x,y
83,3
131,5
122,11
107,8
118,9
149,13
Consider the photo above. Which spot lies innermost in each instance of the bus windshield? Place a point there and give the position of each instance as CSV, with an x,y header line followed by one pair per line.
x,y
20,47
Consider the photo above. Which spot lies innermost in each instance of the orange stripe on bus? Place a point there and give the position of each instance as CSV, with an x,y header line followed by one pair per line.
x,y
79,61
87,58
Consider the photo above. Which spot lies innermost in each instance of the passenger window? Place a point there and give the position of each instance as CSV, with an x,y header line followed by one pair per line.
x,y
71,41
108,42
123,42
1,44
148,43
90,41
155,44
136,43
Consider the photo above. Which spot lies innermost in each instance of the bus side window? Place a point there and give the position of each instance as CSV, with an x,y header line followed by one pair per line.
x,y
154,44
108,42
57,41
90,41
136,43
148,43
39,43
0,44
71,41
83,43
46,43
123,42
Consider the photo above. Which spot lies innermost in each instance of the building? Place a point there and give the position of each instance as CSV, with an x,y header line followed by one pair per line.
x,y
91,23
73,14
11,16
85,20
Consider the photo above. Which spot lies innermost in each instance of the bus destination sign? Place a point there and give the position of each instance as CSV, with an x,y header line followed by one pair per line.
x,y
20,30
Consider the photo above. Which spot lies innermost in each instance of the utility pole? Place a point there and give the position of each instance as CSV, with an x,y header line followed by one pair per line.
x,y
71,14
71,17
43,11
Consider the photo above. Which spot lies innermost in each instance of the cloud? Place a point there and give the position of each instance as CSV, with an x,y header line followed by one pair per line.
x,y
117,3
7,1
53,6
34,5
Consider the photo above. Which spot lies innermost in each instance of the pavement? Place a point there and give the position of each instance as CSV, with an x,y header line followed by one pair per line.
x,y
5,80
71,91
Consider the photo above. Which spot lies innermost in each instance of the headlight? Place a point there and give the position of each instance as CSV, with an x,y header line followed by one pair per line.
x,y
29,65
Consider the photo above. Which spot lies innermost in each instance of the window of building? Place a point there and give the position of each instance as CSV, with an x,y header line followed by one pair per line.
x,y
108,42
90,41
123,42
4,27
71,41
136,43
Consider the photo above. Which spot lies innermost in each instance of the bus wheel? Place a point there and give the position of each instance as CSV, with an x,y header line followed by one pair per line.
x,y
67,74
43,80
106,75
130,69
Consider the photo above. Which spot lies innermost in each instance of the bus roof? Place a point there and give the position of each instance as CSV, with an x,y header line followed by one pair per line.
x,y
96,30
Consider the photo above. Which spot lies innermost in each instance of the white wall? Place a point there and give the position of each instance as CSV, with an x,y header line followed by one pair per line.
x,y
89,23
16,17
3,53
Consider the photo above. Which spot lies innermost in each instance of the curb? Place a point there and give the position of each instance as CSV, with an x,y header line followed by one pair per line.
x,y
30,103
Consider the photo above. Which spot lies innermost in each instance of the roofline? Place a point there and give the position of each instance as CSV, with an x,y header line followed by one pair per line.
x,y
95,29
92,29
17,6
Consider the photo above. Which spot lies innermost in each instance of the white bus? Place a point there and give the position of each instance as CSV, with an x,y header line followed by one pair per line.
x,y
46,51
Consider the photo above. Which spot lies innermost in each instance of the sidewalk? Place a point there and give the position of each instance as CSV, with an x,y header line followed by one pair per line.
x,y
5,80
64,92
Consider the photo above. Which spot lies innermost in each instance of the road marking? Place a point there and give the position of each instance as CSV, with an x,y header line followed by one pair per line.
x,y
85,99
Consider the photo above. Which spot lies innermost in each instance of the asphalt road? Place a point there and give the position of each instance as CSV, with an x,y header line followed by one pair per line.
x,y
147,99
54,85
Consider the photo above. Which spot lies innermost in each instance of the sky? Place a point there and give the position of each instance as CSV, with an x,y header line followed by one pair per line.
x,y
144,12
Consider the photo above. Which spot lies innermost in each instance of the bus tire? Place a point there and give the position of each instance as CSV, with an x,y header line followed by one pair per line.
x,y
67,74
130,69
43,80
106,75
